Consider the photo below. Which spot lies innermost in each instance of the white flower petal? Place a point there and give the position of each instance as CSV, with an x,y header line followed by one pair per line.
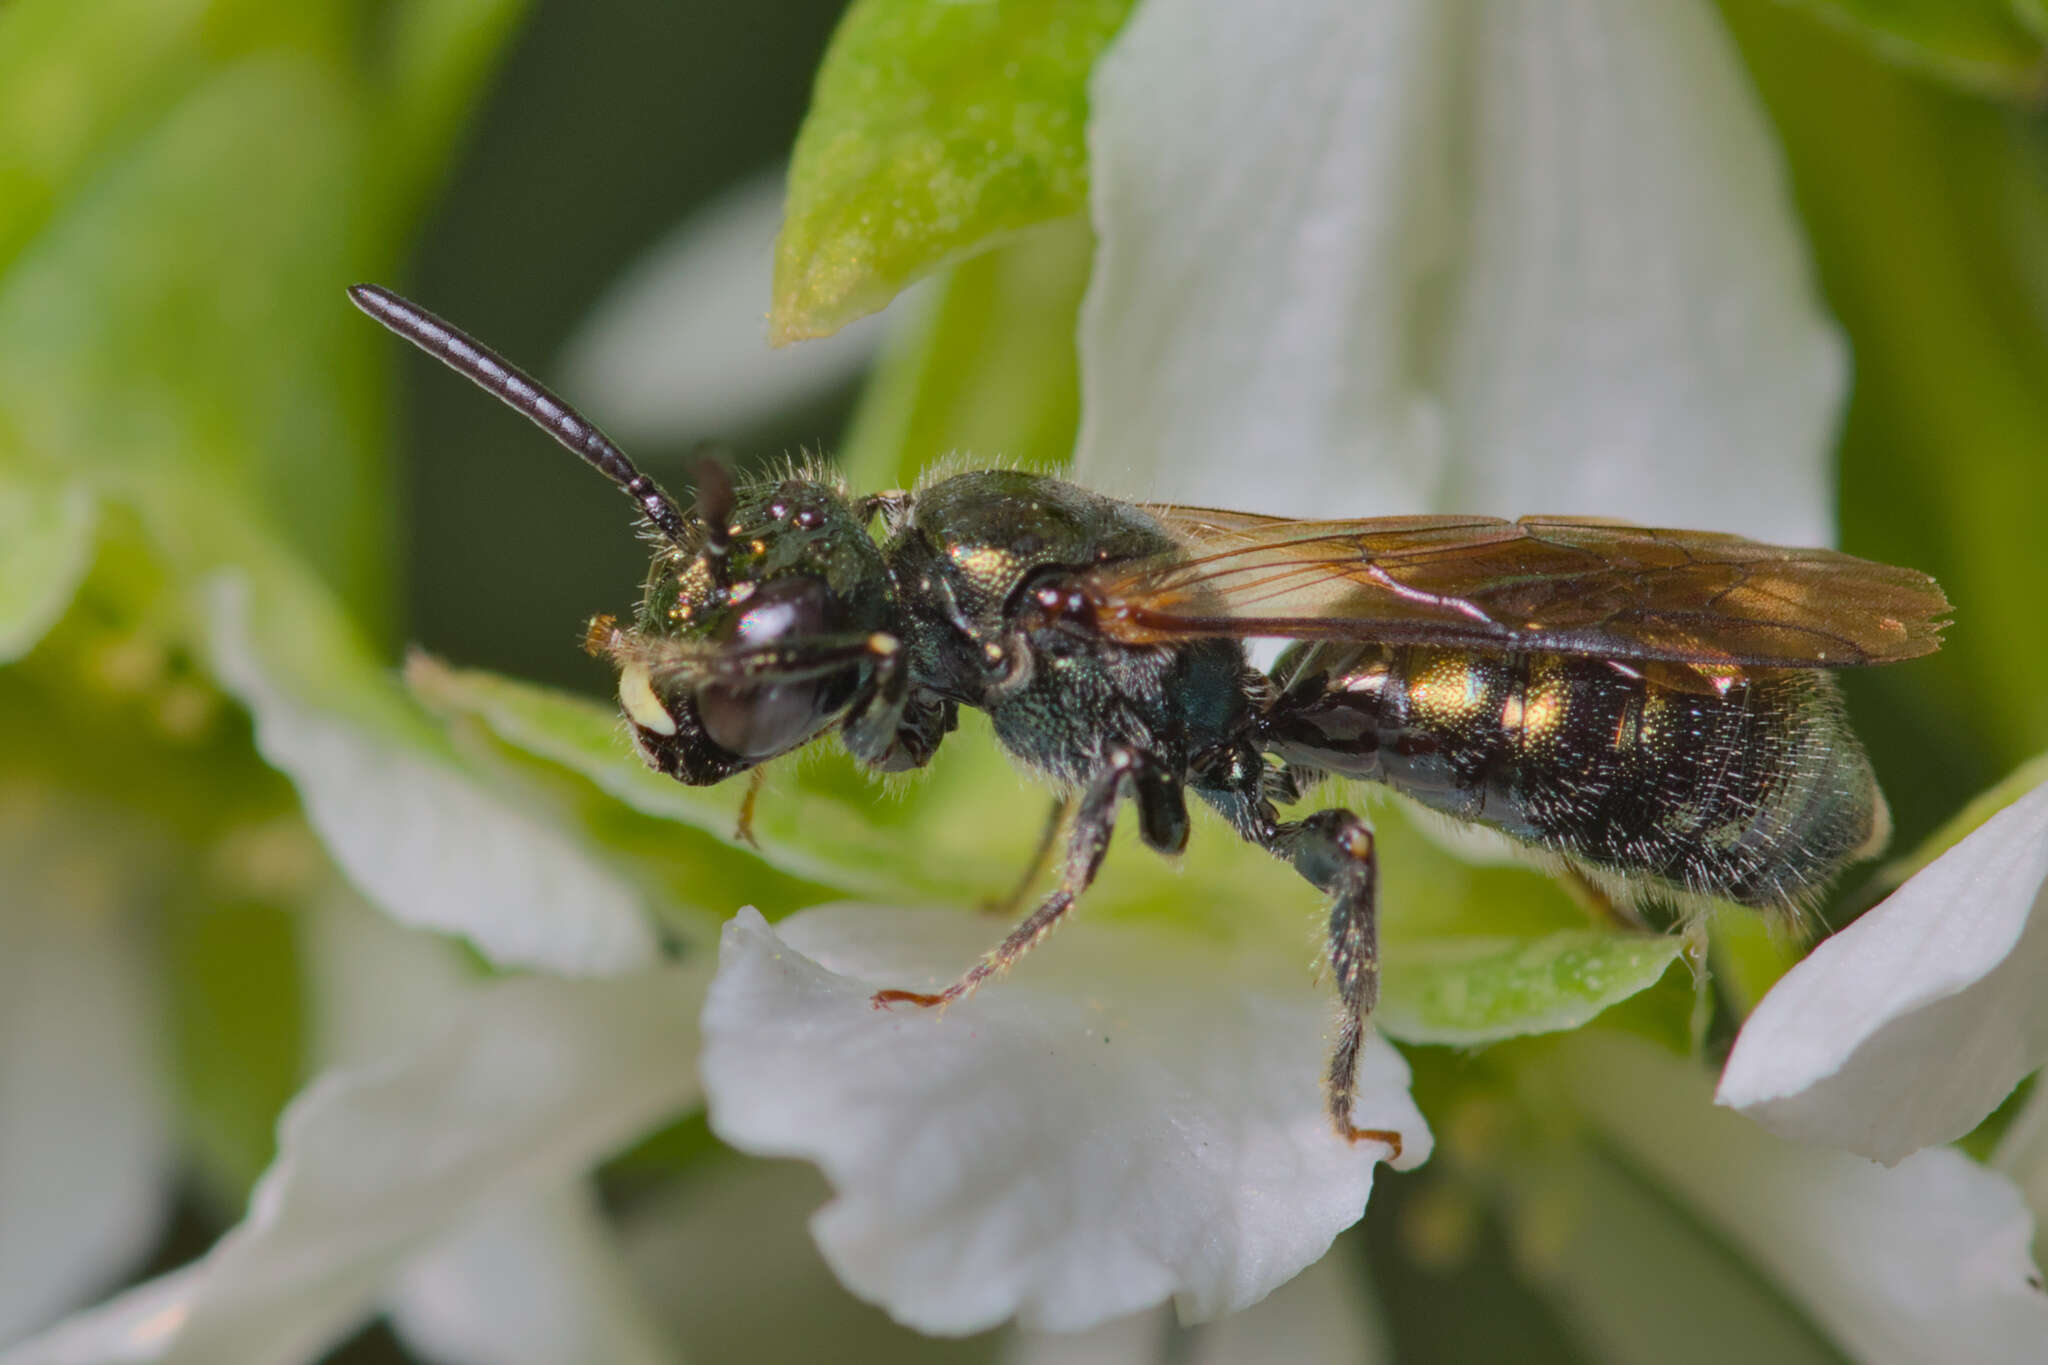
x,y
1910,1025
1324,1314
530,1082
428,843
532,1275
46,543
677,349
85,1144
1925,1262
534,1280
1123,1119
1265,195
1636,331
1379,256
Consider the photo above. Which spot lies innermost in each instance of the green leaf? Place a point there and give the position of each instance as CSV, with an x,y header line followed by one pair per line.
x,y
1993,46
46,541
989,372
960,832
820,821
935,127
1465,992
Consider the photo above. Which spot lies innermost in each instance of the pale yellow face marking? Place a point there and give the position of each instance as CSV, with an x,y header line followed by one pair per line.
x,y
643,708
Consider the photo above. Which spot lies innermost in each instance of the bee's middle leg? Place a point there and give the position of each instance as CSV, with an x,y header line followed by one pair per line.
x,y
1041,858
1163,816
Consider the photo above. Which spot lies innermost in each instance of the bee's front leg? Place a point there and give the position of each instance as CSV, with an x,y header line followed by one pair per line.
x,y
1123,769
870,728
894,726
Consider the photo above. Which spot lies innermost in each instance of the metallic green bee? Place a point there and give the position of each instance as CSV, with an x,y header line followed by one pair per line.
x,y
1649,711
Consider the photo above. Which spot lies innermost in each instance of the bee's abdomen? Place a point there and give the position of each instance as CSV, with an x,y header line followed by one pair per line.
x,y
1756,792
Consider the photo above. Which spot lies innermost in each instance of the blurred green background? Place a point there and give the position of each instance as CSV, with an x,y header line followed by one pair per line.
x,y
607,124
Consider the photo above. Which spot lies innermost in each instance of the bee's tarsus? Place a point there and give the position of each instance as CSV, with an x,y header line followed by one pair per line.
x,y
1386,1135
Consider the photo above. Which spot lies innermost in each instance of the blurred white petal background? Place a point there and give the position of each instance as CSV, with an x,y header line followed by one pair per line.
x,y
433,847
86,1148
1928,1261
1401,256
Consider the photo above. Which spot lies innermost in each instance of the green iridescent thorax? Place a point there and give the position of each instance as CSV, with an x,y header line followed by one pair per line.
x,y
995,526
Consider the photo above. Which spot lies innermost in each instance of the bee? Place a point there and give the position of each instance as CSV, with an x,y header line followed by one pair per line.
x,y
1651,712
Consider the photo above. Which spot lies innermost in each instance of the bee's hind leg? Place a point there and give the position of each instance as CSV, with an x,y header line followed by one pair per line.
x,y
1334,850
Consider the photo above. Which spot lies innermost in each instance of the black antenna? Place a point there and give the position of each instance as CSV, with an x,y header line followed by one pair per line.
x,y
519,391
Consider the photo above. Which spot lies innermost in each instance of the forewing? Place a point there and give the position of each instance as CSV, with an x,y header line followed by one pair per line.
x,y
1557,584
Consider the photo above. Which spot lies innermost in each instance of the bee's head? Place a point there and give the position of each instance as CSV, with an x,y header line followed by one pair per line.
x,y
756,632
765,611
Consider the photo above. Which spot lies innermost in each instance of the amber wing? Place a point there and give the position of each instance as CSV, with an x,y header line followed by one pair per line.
x,y
1556,584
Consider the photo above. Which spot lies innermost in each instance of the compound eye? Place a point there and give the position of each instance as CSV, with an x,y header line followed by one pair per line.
x,y
782,609
760,722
